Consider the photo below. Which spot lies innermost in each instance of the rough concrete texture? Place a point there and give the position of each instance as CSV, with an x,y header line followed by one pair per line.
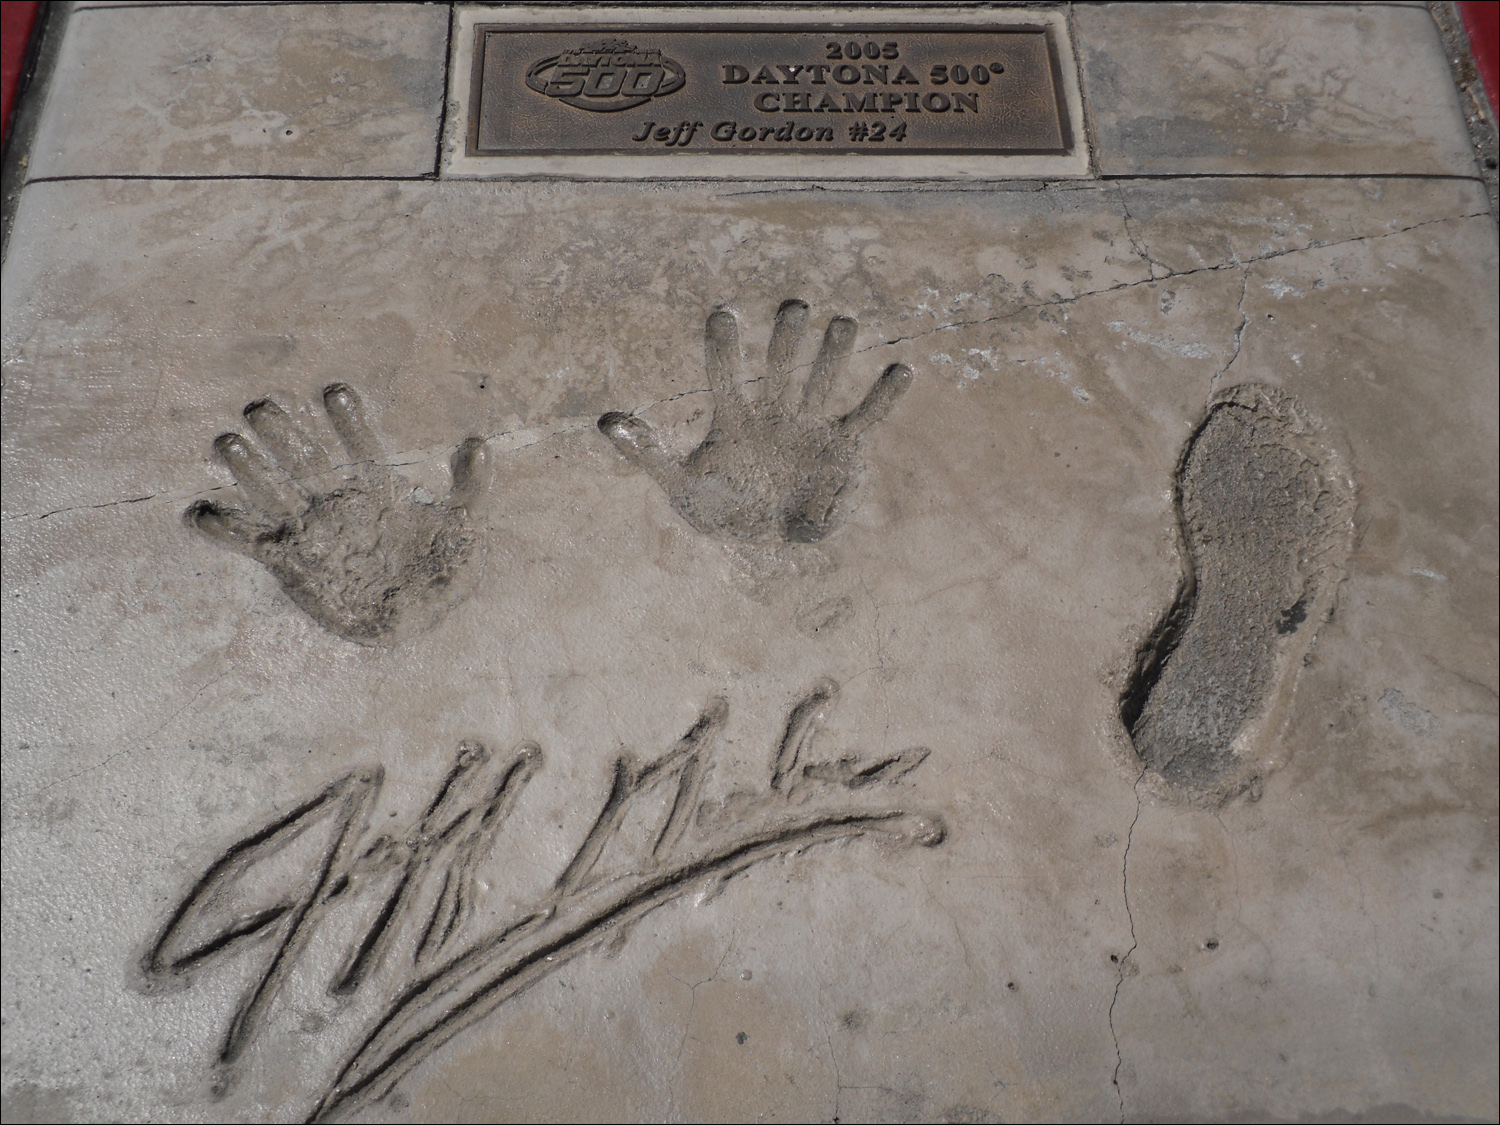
x,y
1012,542
892,652
260,89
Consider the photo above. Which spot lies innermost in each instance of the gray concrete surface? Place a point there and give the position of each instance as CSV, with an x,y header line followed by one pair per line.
x,y
718,749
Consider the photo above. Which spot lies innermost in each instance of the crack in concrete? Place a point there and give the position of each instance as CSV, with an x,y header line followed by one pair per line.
x,y
838,1081
1234,856
1239,333
1130,917
1234,264
952,921
839,1085
298,177
687,1020
83,508
1142,251
142,743
1032,186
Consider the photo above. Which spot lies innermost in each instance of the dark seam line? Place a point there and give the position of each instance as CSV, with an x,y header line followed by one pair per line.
x,y
1398,5
247,4
812,4
791,182
924,189
1045,182
1159,176
442,133
421,177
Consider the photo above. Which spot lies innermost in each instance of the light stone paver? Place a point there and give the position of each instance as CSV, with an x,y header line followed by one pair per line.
x,y
1270,89
285,89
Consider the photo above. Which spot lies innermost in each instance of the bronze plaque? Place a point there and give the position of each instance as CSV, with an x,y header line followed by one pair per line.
x,y
915,90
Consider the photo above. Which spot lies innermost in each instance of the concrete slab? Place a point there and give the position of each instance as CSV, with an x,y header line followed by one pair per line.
x,y
211,90
933,610
1270,89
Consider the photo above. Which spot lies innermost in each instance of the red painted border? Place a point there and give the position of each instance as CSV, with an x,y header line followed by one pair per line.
x,y
17,18
1482,23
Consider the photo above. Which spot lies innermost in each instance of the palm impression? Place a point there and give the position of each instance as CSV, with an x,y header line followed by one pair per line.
x,y
360,550
772,468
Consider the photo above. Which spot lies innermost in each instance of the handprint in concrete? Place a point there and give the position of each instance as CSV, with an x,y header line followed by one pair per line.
x,y
362,552
772,468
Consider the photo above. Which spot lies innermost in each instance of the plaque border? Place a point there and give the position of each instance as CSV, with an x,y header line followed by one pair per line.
x,y
480,30
457,161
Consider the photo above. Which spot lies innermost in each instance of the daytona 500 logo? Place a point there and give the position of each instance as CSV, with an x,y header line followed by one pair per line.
x,y
606,76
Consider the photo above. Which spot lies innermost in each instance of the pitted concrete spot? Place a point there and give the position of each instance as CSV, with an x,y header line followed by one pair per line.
x,y
1398,709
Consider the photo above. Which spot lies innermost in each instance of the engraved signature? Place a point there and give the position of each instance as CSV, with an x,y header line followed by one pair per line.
x,y
280,883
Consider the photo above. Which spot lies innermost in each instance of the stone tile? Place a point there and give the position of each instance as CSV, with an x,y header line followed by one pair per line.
x,y
1010,540
1286,89
295,90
